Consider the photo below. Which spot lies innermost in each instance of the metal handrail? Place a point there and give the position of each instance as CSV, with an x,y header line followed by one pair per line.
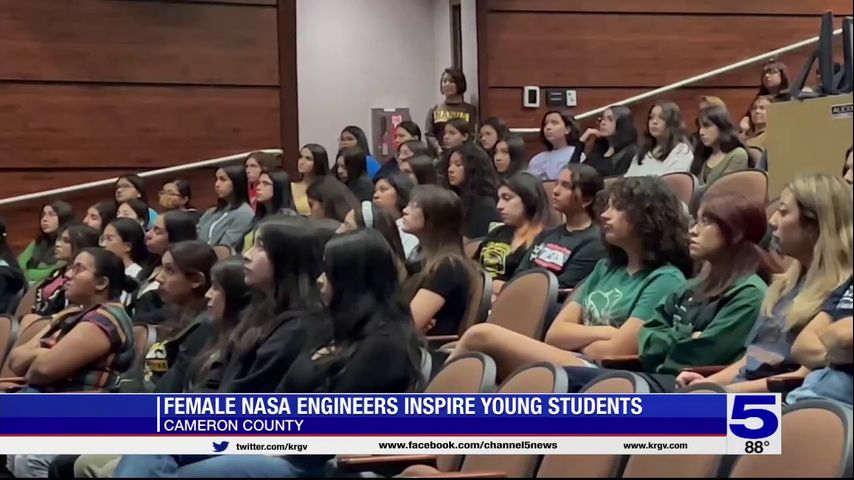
x,y
151,173
694,79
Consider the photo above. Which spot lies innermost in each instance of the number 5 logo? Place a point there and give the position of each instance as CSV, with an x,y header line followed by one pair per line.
x,y
742,410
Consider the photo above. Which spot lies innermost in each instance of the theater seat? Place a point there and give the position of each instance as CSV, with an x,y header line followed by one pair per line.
x,y
816,437
526,303
8,335
681,184
752,183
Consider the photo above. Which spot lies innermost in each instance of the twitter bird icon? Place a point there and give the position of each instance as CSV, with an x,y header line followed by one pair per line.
x,y
220,447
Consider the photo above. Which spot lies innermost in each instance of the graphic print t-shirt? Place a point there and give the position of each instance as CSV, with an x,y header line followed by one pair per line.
x,y
496,254
611,295
570,255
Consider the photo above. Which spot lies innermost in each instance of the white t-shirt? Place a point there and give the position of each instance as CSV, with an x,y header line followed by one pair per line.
x,y
679,160
133,270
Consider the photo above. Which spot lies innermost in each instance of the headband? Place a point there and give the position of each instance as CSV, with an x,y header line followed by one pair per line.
x,y
368,214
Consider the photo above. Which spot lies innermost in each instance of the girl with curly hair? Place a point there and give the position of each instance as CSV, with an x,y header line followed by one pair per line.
x,y
646,237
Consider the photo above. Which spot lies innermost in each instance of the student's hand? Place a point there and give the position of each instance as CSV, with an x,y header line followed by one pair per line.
x,y
430,325
686,378
590,133
744,125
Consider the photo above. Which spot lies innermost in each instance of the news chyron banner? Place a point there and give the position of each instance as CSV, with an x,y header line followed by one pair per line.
x,y
670,424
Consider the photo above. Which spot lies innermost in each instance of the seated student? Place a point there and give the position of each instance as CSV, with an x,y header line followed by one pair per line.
x,y
719,150
136,210
84,349
457,132
665,146
38,260
351,171
421,169
12,279
273,196
440,290
614,142
509,156
708,320
126,239
524,209
171,227
130,187
373,348
50,293
184,280
353,136
813,225
177,194
570,251
372,217
313,164
226,223
227,297
405,131
825,347
756,135
281,269
392,194
647,242
255,163
472,177
491,132
848,169
559,132
330,199
100,214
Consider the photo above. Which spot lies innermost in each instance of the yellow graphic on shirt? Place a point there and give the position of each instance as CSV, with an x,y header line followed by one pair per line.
x,y
156,362
493,258
441,116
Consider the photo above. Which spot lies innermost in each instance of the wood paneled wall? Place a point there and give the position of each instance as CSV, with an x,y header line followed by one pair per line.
x,y
94,88
613,49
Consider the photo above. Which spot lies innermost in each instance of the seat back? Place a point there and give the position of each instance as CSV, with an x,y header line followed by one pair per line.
x,y
751,183
682,184
469,373
12,306
816,437
594,466
8,335
526,302
477,312
25,305
535,378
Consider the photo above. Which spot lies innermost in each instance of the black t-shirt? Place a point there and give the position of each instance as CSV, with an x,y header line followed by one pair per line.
x,y
450,281
177,355
571,256
478,216
377,365
496,254
262,369
616,164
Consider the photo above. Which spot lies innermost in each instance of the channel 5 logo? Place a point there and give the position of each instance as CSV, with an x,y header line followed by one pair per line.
x,y
754,417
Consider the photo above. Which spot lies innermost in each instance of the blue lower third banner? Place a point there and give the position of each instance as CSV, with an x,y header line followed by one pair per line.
x,y
389,424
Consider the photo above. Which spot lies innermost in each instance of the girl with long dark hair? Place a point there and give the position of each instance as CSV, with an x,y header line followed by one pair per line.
x,y
492,130
421,169
313,163
256,163
100,214
132,187
351,169
226,223
509,156
559,133
274,197
615,142
38,260
472,177
50,293
665,147
126,239
353,136
12,279
719,150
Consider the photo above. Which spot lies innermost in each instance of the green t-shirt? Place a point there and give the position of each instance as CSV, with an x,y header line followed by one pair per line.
x,y
666,343
610,295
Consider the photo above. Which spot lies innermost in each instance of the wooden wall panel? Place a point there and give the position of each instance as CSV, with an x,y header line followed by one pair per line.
x,y
147,42
630,50
612,49
130,126
721,7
